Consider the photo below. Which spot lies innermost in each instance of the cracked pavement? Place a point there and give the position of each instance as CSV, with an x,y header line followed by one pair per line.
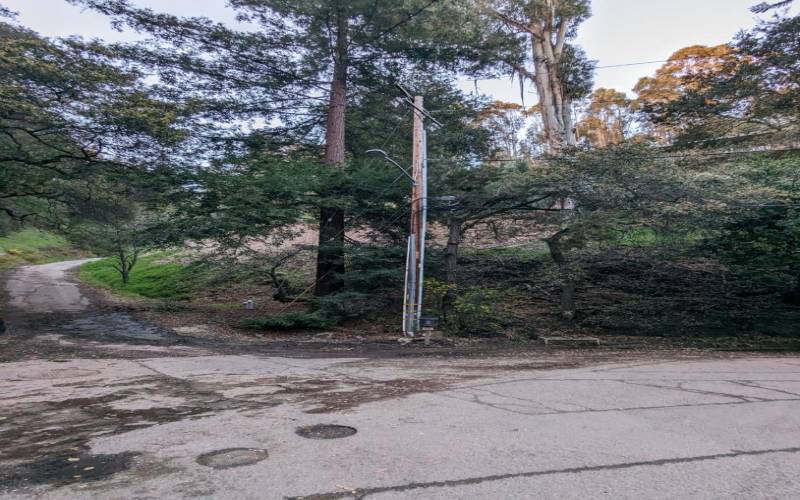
x,y
102,406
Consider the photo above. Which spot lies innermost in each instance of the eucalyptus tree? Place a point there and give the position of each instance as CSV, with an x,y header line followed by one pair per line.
x,y
749,97
561,72
606,119
687,70
297,68
505,121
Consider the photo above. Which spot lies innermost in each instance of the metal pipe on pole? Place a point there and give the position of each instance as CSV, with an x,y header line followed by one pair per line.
x,y
413,288
409,292
419,218
423,226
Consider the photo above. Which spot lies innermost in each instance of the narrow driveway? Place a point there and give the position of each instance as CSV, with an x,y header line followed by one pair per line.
x,y
45,289
87,416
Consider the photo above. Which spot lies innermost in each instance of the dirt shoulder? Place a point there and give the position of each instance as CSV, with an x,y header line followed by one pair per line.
x,y
113,326
198,324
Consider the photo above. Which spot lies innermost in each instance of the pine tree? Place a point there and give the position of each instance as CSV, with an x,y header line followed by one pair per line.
x,y
305,64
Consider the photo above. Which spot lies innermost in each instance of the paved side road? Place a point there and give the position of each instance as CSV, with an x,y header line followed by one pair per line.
x,y
45,289
151,421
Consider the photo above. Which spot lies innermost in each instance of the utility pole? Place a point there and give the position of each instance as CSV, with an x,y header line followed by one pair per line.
x,y
415,258
415,253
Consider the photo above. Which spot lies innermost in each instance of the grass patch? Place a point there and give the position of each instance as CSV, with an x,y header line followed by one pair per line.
x,y
33,246
648,237
530,252
153,277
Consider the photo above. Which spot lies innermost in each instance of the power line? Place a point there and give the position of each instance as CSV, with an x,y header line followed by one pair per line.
x,y
689,58
410,16
713,154
647,157
632,64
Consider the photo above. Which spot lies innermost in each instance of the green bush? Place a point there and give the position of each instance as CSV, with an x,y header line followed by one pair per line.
x,y
326,312
437,293
374,270
347,305
650,237
480,311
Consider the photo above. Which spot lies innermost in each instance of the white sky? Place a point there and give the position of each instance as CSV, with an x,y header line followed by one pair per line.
x,y
620,31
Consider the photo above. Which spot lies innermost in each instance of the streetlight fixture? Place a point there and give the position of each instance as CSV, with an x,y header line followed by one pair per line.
x,y
412,293
415,257
379,153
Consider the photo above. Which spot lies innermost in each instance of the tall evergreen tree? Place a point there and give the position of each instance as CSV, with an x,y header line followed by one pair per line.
x,y
301,68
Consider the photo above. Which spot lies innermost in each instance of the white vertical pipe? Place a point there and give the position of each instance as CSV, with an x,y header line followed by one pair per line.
x,y
409,253
424,229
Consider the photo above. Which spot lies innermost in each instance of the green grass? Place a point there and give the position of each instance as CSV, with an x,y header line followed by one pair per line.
x,y
648,237
153,277
33,246
530,252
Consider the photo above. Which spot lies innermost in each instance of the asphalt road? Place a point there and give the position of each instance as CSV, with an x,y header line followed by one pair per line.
x,y
45,288
86,416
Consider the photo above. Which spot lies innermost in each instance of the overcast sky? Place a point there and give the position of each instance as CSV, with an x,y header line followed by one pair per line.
x,y
619,32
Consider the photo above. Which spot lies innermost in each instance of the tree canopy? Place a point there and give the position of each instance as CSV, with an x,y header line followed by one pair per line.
x,y
248,140
67,117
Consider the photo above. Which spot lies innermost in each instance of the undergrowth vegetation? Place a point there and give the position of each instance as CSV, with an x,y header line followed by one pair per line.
x,y
674,213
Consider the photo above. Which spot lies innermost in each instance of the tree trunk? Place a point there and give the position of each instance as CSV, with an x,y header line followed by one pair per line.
x,y
569,127
330,253
451,266
330,256
551,116
451,255
123,269
556,108
793,296
567,302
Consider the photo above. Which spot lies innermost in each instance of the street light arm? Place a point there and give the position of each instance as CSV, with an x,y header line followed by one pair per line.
x,y
385,156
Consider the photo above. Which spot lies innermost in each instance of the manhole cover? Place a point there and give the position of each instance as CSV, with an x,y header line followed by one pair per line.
x,y
232,457
326,431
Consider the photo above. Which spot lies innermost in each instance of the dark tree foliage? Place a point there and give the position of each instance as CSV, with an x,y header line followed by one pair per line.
x,y
765,239
302,68
257,199
67,118
578,72
752,103
761,237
